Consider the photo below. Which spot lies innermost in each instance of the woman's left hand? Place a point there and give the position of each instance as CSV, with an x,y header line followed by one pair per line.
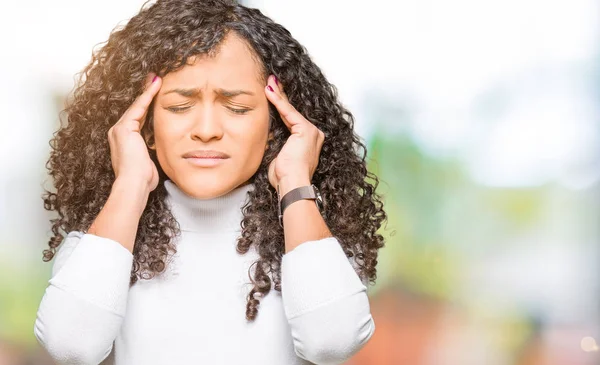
x,y
297,161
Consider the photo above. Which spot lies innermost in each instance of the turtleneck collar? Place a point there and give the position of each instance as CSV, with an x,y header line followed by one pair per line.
x,y
214,215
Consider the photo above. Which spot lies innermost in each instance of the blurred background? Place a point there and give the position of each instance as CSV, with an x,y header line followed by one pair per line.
x,y
482,121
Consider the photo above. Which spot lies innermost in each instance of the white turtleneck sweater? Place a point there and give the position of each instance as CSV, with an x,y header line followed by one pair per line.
x,y
194,312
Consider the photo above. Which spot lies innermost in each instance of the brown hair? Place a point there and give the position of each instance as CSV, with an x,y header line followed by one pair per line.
x,y
160,39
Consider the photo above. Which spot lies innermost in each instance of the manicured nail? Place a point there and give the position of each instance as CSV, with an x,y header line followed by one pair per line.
x,y
155,77
270,88
276,81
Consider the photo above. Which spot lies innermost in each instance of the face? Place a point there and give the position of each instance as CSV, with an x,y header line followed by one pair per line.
x,y
212,104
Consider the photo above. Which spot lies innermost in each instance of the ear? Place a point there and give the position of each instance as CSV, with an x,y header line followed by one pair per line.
x,y
147,131
149,138
269,139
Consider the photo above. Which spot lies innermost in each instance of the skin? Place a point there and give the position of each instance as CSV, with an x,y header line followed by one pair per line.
x,y
208,118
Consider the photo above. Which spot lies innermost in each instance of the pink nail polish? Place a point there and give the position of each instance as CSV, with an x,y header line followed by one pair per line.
x,y
276,81
155,77
270,88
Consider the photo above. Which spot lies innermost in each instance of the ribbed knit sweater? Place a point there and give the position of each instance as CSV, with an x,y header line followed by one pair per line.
x,y
194,312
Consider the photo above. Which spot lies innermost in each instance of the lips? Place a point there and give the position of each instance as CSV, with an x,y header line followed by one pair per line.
x,y
207,154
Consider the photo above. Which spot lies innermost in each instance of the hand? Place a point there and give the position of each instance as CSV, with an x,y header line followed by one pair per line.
x,y
297,161
128,151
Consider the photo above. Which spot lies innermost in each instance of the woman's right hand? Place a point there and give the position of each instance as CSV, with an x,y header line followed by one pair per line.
x,y
128,150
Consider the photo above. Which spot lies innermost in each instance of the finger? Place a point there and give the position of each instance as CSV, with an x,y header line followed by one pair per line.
x,y
289,114
147,83
139,107
149,79
144,100
279,87
143,119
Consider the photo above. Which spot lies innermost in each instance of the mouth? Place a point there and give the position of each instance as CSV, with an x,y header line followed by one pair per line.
x,y
205,158
206,161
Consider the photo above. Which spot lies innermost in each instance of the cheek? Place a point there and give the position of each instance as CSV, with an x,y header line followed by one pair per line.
x,y
165,138
158,127
251,141
164,132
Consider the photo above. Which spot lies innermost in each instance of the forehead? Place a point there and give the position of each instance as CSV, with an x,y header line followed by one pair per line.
x,y
233,65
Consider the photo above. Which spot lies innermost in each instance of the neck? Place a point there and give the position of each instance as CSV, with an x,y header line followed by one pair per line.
x,y
214,215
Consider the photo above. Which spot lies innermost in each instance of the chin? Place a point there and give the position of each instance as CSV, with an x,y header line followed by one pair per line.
x,y
205,187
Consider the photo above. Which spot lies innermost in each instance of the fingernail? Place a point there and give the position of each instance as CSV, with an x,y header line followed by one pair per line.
x,y
155,77
276,81
270,88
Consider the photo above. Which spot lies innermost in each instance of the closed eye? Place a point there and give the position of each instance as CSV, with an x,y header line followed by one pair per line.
x,y
181,109
178,109
239,111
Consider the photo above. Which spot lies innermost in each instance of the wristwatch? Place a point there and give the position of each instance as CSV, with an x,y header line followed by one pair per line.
x,y
303,192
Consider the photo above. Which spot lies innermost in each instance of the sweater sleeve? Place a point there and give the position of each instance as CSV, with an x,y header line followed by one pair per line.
x,y
325,302
84,304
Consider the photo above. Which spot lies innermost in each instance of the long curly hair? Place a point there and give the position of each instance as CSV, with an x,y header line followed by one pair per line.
x,y
160,39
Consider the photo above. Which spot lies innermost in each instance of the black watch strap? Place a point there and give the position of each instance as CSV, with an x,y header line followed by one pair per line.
x,y
303,192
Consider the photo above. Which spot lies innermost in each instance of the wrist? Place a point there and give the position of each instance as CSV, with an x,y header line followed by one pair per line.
x,y
289,183
131,184
132,191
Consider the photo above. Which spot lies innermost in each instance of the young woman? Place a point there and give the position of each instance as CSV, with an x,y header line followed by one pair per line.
x,y
207,167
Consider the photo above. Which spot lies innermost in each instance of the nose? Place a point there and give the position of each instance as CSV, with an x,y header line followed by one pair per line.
x,y
207,125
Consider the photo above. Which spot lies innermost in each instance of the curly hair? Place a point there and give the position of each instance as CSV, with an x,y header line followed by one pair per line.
x,y
160,39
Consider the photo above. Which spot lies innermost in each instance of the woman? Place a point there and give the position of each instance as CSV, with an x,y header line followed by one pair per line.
x,y
192,128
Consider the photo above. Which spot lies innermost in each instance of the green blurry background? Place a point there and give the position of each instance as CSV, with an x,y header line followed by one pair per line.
x,y
481,120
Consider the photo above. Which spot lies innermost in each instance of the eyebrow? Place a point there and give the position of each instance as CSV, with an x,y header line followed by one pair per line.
x,y
191,92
